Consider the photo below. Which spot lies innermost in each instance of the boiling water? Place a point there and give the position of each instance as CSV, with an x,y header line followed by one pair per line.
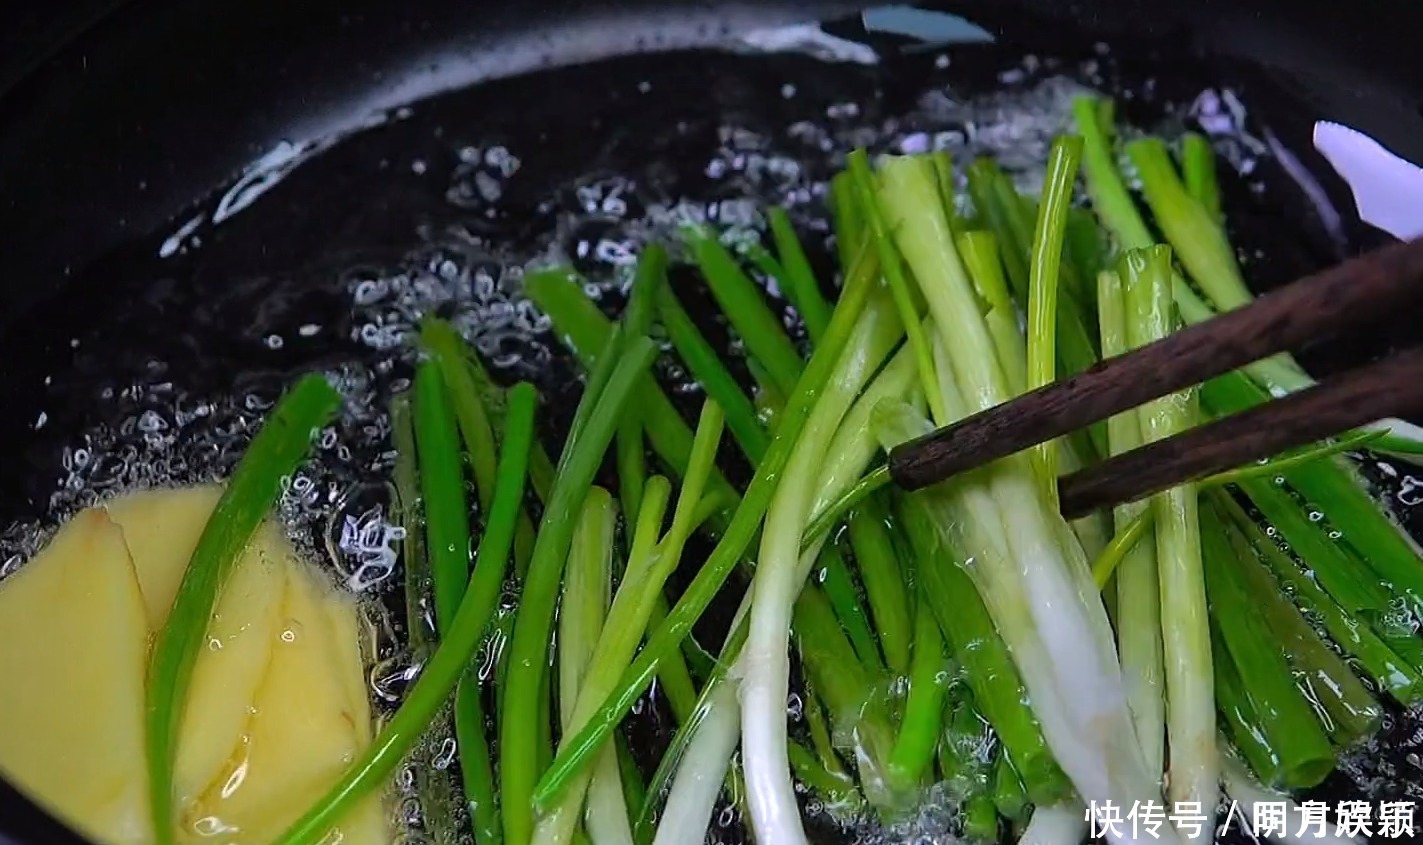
x,y
326,257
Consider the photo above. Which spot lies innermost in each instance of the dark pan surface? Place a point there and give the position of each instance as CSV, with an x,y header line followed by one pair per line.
x,y
379,205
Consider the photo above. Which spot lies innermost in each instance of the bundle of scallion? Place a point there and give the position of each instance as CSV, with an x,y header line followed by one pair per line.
x,y
966,635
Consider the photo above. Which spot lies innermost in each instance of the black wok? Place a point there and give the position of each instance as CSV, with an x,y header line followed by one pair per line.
x,y
117,119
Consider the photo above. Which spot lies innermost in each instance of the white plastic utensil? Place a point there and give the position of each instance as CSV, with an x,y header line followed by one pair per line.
x,y
1388,190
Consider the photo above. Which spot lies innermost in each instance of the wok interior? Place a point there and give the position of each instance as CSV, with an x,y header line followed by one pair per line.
x,y
408,200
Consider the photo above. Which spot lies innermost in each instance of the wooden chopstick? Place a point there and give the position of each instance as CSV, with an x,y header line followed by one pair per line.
x,y
1358,291
1391,387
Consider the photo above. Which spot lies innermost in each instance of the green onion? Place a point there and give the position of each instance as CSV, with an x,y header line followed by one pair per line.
x,y
492,399
451,659
674,674
519,726
780,575
980,256
1086,249
676,680
476,762
924,709
1286,719
944,176
1186,645
1008,793
849,218
412,548
437,788
448,521
649,564
1293,459
574,314
1138,586
868,190
585,331
842,591
1332,489
836,789
273,455
1118,213
687,731
1110,199
1379,542
985,266
1123,542
965,761
580,624
741,300
850,695
1062,166
1012,224
633,789
649,281
1198,170
446,514
734,541
1062,635
1239,712
884,583
1015,230
819,728
447,349
872,547
1191,226
988,668
632,463
1339,573
718,382
835,512
983,176
763,260
1195,236
720,385
1386,668
801,287
1347,709
476,399
1395,445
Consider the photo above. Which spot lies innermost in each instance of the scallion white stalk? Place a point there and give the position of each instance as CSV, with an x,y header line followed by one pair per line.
x,y
1185,625
771,799
649,564
585,603
1043,582
1138,590
1060,824
702,770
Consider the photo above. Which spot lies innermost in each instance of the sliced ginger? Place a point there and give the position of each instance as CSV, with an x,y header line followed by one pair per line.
x,y
301,736
229,672
277,707
161,527
73,651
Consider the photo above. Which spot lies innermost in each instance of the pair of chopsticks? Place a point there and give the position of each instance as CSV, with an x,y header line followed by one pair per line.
x,y
1359,291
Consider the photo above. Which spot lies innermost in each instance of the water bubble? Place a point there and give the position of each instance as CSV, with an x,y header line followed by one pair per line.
x,y
367,546
445,755
390,677
1410,491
